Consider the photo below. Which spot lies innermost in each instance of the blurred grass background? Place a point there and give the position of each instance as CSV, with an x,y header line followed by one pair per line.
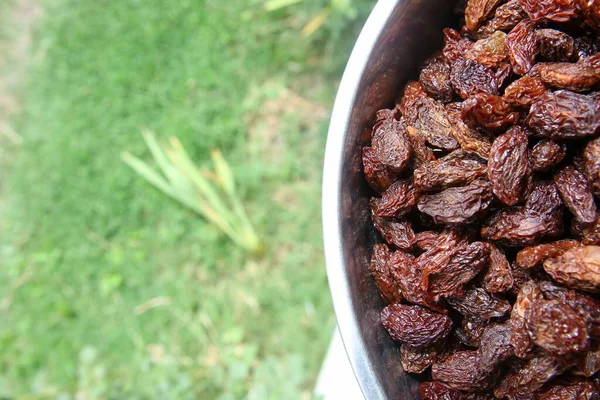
x,y
109,289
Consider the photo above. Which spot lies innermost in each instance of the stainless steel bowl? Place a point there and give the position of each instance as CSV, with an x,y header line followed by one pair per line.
x,y
398,35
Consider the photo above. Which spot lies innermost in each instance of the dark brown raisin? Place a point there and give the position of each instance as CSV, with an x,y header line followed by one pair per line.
x,y
478,11
520,336
469,139
493,113
413,96
591,12
579,390
415,325
379,176
509,169
529,377
435,79
550,10
533,256
471,330
521,43
591,159
438,391
391,144
577,77
586,306
431,120
398,200
564,115
589,364
585,46
555,46
407,274
557,328
421,153
506,17
478,303
397,233
494,347
498,276
578,268
455,47
469,77
427,239
544,198
417,359
448,279
457,205
462,370
576,194
490,51
382,274
456,169
524,91
546,154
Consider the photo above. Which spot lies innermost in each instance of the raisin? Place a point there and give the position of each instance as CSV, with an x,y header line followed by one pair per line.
x,y
589,234
494,347
516,227
471,330
462,370
520,278
524,91
533,256
455,47
546,154
391,144
435,79
493,113
544,198
379,176
408,276
509,169
456,169
578,268
397,233
506,17
448,279
576,194
431,120
490,51
579,390
577,77
550,10
586,306
555,46
438,391
521,43
384,114
421,153
520,337
589,364
478,11
427,239
557,328
564,115
415,325
381,273
591,12
469,139
591,159
478,303
498,277
417,359
414,95
585,46
397,201
469,77
529,377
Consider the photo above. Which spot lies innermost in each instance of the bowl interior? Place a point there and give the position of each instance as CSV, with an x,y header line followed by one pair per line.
x,y
397,38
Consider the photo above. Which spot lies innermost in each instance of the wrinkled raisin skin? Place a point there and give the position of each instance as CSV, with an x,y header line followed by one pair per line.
x,y
522,47
415,325
578,268
550,10
546,154
576,194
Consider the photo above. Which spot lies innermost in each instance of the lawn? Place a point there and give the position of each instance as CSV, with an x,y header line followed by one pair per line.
x,y
110,290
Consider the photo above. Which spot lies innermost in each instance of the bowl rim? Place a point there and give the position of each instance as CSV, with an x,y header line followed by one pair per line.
x,y
362,365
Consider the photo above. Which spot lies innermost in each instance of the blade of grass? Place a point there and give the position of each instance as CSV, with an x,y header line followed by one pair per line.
x,y
315,23
273,5
224,173
142,169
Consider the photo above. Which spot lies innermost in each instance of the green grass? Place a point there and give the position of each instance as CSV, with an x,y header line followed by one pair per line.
x,y
109,289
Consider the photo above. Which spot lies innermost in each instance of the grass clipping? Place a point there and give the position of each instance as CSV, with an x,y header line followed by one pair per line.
x,y
210,194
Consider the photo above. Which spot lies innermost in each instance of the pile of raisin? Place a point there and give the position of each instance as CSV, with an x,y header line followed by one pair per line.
x,y
487,174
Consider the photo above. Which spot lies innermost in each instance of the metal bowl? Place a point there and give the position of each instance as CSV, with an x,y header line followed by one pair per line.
x,y
398,35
